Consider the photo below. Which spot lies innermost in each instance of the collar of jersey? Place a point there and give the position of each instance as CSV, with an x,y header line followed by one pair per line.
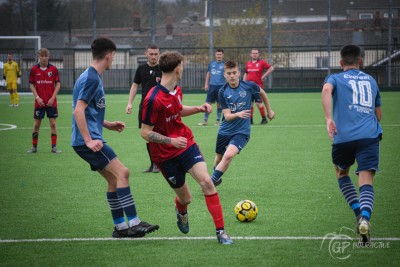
x,y
165,90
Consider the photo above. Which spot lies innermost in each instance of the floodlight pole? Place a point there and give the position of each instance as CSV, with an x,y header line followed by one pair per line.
x,y
211,32
270,40
389,46
329,37
153,21
94,18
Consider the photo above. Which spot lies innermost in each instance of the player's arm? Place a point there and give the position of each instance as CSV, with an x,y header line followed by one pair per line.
x,y
118,126
378,113
18,71
327,90
80,119
268,72
132,94
190,110
38,99
149,135
206,84
264,97
229,116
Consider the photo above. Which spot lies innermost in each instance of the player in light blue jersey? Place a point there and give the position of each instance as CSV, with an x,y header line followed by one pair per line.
x,y
214,81
355,132
235,98
89,104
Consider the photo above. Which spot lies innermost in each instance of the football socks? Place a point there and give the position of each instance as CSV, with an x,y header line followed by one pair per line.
x,y
53,140
350,194
219,112
127,203
216,175
214,207
117,212
182,209
366,201
35,137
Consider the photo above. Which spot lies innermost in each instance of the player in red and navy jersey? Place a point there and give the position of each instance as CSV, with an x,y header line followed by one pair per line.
x,y
255,72
45,84
172,145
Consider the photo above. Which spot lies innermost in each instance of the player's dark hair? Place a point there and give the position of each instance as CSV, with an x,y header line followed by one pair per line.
x,y
151,46
101,46
350,54
230,64
220,50
169,60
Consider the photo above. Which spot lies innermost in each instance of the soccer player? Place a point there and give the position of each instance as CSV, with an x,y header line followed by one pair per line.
x,y
172,144
214,80
89,104
355,132
44,82
12,73
255,72
235,98
148,75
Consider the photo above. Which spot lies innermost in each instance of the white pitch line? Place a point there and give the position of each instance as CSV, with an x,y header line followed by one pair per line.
x,y
274,238
9,127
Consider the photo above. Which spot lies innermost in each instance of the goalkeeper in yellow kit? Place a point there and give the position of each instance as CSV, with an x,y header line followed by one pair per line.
x,y
11,73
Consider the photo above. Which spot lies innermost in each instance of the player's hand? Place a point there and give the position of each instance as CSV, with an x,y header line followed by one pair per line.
x,y
244,114
118,126
331,128
50,103
128,109
206,108
40,101
179,142
95,145
206,88
271,115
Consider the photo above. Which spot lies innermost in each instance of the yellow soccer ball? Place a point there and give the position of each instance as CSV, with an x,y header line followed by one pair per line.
x,y
246,211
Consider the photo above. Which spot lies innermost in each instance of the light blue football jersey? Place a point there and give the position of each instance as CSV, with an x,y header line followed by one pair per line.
x,y
355,96
216,70
89,88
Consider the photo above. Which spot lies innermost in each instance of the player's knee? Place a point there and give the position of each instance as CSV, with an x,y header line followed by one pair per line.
x,y
125,172
186,200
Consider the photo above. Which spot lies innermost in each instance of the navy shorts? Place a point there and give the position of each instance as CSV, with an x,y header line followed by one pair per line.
x,y
238,140
365,151
212,93
52,112
97,160
174,170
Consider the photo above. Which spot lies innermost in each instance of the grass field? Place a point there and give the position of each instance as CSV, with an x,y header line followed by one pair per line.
x,y
54,210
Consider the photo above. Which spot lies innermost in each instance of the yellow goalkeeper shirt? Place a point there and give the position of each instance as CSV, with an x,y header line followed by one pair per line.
x,y
11,71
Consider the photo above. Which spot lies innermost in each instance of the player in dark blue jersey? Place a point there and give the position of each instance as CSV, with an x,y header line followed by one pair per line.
x,y
355,132
235,98
89,104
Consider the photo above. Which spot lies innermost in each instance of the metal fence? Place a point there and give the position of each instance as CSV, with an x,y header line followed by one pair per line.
x,y
296,68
